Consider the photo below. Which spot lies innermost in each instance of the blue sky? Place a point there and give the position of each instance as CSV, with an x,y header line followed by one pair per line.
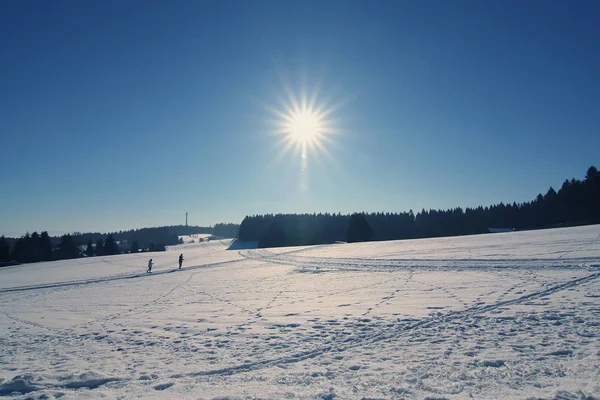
x,y
125,114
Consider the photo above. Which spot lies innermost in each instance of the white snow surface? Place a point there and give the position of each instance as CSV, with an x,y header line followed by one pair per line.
x,y
495,316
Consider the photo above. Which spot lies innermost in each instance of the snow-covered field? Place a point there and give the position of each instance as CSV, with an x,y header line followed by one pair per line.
x,y
509,315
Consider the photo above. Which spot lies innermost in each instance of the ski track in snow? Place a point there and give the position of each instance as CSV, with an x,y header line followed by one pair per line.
x,y
490,316
359,264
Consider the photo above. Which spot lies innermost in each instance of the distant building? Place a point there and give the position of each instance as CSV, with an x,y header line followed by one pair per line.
x,y
500,230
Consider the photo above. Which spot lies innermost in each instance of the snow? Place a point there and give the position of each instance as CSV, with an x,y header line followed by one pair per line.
x,y
505,315
195,238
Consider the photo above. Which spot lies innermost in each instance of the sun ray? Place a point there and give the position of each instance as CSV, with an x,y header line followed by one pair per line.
x,y
314,96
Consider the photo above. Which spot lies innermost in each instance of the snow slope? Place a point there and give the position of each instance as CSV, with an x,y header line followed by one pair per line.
x,y
507,315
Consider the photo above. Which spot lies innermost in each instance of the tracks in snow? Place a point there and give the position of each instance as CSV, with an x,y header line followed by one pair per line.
x,y
391,331
369,264
91,281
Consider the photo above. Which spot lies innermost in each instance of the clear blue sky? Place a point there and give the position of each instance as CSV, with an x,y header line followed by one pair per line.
x,y
122,114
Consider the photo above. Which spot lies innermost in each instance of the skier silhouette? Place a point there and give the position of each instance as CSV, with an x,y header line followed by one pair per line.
x,y
180,260
149,266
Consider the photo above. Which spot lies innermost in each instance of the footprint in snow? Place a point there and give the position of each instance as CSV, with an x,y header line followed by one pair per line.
x,y
163,386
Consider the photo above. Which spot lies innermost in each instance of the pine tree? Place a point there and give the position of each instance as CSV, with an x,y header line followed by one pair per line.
x,y
135,247
46,247
275,237
19,250
27,250
592,174
67,247
99,250
89,250
592,182
110,246
4,250
359,229
35,254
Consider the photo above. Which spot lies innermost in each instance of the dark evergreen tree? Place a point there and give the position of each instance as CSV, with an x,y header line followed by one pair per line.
x,y
135,247
111,247
27,249
359,229
34,249
89,250
592,182
275,237
46,247
67,247
19,252
4,250
99,249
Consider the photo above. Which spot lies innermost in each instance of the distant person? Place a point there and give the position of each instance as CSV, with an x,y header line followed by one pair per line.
x,y
149,266
180,260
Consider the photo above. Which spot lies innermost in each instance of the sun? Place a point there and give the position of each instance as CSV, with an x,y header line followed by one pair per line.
x,y
304,127
305,124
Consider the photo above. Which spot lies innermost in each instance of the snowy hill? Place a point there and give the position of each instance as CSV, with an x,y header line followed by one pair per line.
x,y
508,315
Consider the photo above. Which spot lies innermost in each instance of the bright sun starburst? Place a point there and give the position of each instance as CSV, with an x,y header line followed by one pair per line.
x,y
304,125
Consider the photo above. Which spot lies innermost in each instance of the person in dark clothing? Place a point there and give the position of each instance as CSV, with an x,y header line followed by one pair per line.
x,y
180,260
149,266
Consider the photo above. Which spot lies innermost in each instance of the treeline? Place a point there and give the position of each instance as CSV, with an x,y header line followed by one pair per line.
x,y
576,203
226,230
42,247
145,237
38,247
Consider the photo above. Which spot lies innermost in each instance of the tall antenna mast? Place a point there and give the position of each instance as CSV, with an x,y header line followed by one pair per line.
x,y
186,219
